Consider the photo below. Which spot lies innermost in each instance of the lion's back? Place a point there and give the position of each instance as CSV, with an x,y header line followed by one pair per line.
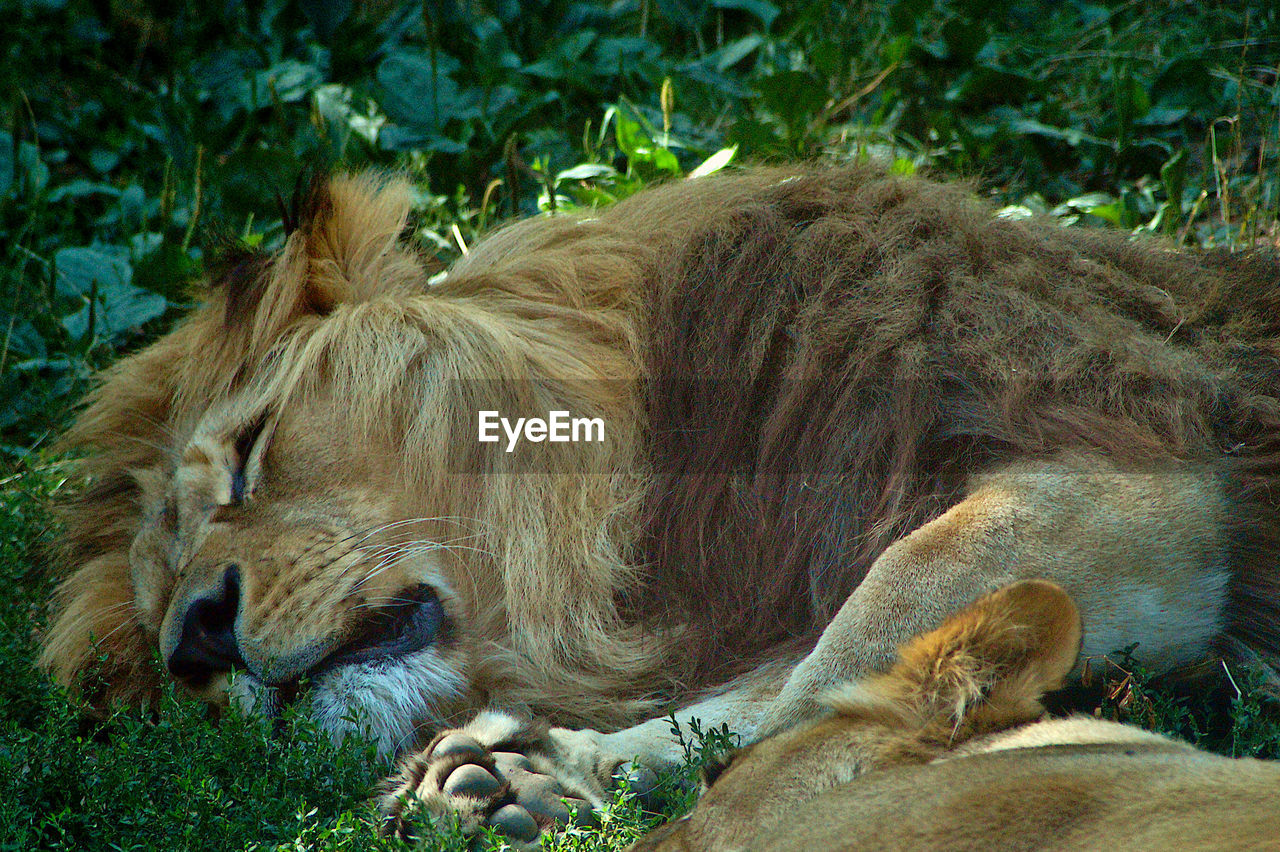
x,y
832,353
1069,798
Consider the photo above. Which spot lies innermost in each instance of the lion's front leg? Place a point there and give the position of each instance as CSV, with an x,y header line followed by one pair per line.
x,y
1141,553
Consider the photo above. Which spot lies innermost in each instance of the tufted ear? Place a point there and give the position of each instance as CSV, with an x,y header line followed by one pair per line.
x,y
343,247
984,669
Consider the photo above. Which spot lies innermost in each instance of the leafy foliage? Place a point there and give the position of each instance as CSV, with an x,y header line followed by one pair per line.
x,y
1222,708
138,136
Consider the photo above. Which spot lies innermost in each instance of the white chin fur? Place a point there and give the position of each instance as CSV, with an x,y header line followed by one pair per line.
x,y
383,701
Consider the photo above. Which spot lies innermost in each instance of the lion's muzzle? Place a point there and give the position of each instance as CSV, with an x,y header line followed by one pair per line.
x,y
210,644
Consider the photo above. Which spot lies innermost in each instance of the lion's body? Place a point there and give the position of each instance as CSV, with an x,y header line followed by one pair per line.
x,y
1070,797
945,752
833,401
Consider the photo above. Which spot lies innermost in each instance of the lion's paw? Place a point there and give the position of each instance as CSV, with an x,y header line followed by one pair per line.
x,y
497,772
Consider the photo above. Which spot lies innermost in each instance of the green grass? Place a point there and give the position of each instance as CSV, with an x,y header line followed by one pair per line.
x,y
132,144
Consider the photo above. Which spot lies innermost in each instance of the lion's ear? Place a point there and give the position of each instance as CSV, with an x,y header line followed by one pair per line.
x,y
343,247
986,667
351,238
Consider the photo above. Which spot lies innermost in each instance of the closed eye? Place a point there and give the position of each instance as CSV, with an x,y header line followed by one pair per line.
x,y
248,458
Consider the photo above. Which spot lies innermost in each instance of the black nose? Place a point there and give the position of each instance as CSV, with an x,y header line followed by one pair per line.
x,y
208,644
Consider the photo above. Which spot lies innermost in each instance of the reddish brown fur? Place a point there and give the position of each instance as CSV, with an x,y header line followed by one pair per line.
x,y
832,359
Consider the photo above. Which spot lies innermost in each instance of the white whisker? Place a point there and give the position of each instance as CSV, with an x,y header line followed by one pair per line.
x,y
131,621
160,448
391,554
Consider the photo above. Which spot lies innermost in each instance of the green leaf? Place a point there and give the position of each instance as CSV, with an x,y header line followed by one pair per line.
x,y
1088,200
563,59
689,14
1100,204
24,164
895,50
21,338
1113,213
765,12
715,162
666,161
133,203
104,160
1072,136
586,171
735,51
794,96
420,95
616,54
396,138
81,188
325,16
1131,99
288,81
638,145
631,139
101,278
79,270
1163,116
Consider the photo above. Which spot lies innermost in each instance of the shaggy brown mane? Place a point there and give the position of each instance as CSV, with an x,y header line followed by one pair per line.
x,y
830,361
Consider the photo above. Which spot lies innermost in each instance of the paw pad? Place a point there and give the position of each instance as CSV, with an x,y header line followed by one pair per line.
x,y
642,782
516,823
457,743
471,780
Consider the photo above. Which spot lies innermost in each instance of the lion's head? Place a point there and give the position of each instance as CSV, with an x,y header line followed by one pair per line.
x,y
283,485
974,679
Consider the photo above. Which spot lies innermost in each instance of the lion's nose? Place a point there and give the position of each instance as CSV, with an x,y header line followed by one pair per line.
x,y
208,643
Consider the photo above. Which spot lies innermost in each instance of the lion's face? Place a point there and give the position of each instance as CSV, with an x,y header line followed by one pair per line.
x,y
281,545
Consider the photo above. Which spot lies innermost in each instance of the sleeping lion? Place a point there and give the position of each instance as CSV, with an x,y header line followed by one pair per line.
x,y
823,409
948,751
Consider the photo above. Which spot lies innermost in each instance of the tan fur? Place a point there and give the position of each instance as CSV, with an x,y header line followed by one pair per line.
x,y
1140,553
948,751
839,405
